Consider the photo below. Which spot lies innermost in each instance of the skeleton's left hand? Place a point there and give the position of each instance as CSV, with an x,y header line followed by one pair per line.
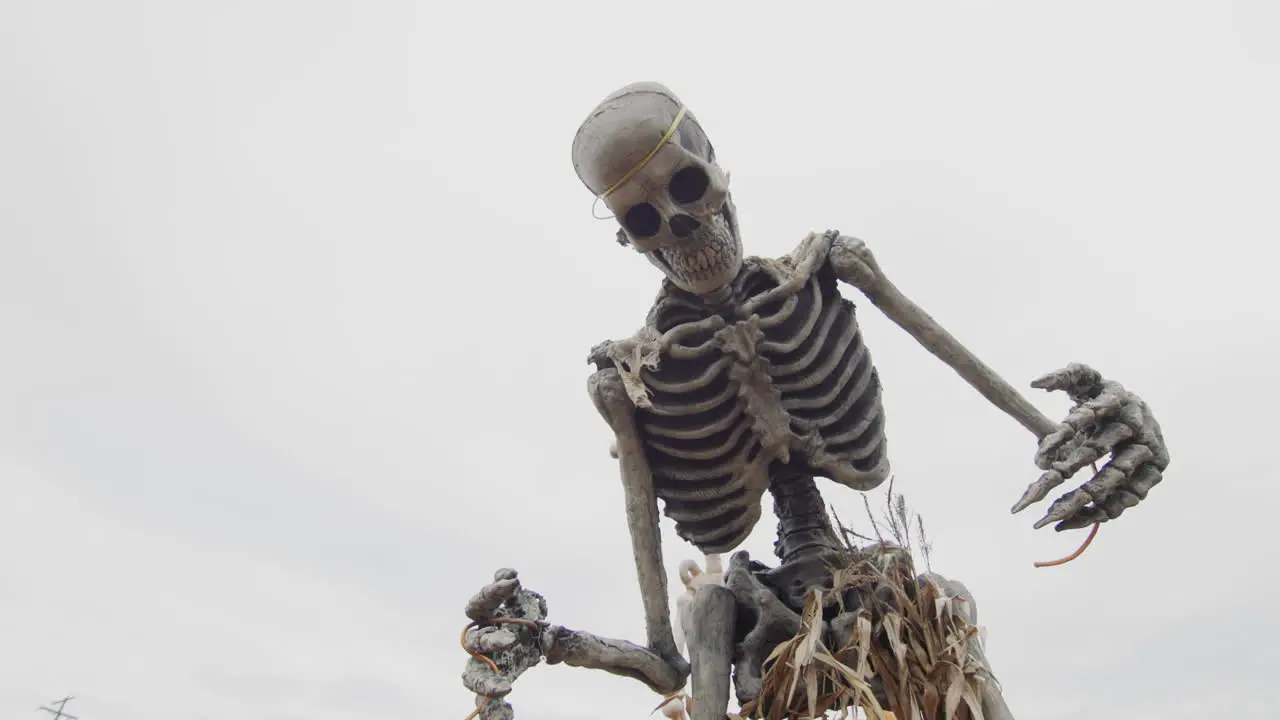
x,y
1107,419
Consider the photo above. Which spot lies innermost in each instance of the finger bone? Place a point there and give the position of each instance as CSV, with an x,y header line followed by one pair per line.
x,y
1105,405
1093,448
1111,436
1064,507
1052,445
1118,502
1036,491
1083,455
489,640
1084,518
1144,478
1082,417
486,602
1116,472
480,679
1055,380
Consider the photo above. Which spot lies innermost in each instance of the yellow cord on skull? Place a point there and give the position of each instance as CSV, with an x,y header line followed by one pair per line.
x,y
666,137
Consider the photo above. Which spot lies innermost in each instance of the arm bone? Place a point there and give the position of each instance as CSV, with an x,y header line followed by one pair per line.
x,y
855,265
611,400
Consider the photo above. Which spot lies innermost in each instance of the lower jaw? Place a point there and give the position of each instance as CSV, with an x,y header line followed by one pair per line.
x,y
710,280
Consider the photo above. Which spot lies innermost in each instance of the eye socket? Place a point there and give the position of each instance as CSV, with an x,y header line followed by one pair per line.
x,y
642,220
689,185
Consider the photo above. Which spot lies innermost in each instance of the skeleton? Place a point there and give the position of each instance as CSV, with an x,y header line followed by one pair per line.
x,y
751,375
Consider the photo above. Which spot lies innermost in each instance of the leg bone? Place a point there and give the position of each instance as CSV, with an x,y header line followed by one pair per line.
x,y
710,635
774,623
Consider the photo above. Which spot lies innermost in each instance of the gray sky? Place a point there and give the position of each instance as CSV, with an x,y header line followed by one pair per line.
x,y
296,299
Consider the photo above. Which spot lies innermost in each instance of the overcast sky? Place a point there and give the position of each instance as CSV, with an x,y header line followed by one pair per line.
x,y
296,299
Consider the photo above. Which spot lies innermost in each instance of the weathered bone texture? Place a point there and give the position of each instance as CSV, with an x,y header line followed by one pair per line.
x,y
774,380
515,648
771,623
1107,419
748,375
751,374
712,614
609,395
807,545
734,627
771,600
675,208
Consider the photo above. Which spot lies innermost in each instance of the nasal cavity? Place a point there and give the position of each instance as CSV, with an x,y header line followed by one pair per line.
x,y
682,225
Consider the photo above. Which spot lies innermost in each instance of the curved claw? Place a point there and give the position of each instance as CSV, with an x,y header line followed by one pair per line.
x,y
1086,517
1113,489
1038,489
1078,380
486,602
1066,452
1064,507
1055,380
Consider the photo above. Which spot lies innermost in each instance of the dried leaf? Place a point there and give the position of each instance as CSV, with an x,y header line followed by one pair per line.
x,y
918,651
811,691
973,699
862,634
931,701
955,691
892,623
910,634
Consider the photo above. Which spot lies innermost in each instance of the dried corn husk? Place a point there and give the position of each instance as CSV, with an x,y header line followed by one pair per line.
x,y
910,635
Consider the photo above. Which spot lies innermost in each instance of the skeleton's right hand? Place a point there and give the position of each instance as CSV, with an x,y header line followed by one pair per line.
x,y
509,634
503,639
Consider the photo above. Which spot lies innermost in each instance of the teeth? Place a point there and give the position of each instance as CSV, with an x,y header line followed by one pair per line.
x,y
705,254
700,261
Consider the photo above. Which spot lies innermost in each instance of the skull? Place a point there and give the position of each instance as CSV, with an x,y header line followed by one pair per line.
x,y
656,172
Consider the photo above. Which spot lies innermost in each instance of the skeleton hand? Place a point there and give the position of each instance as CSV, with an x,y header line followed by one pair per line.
x,y
509,634
505,641
1107,419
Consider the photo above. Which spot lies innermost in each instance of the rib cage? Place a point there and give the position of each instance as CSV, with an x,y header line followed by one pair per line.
x,y
791,384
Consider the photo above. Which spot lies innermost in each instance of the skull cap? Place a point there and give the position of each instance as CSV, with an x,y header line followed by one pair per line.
x,y
623,132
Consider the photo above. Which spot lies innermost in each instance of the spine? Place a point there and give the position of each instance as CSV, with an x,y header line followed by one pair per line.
x,y
804,527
